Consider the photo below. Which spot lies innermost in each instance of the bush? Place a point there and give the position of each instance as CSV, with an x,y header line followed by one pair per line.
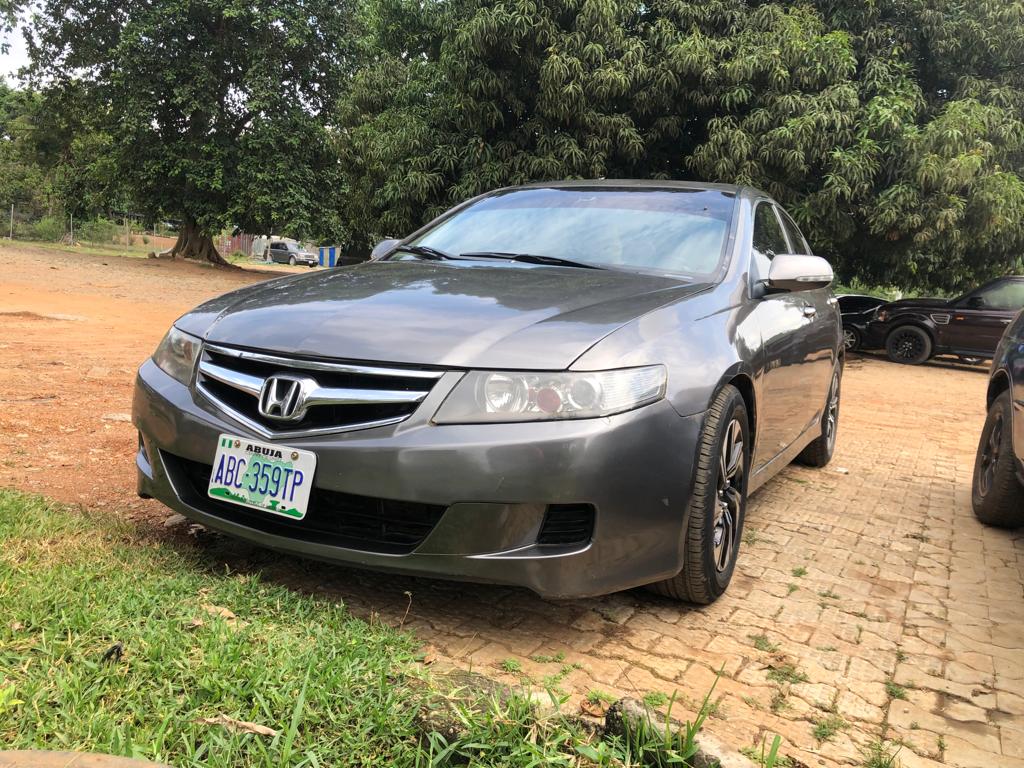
x,y
48,228
99,230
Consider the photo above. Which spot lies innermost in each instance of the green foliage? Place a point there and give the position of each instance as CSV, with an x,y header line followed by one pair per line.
x,y
891,129
208,112
98,230
49,228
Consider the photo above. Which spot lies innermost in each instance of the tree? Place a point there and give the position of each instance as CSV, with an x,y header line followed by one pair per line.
x,y
196,99
891,129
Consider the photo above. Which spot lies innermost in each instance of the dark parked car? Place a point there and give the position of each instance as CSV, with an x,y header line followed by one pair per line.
x,y
914,330
856,310
287,252
570,387
998,488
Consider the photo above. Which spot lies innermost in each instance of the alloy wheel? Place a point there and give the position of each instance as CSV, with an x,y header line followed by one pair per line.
x,y
832,414
990,456
849,339
729,503
908,346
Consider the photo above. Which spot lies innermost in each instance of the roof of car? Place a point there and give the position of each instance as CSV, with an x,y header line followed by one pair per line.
x,y
733,189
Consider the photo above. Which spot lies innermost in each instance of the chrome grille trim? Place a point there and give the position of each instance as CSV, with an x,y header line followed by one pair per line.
x,y
321,365
316,395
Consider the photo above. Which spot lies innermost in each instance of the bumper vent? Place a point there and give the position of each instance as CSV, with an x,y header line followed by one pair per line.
x,y
336,519
567,524
291,397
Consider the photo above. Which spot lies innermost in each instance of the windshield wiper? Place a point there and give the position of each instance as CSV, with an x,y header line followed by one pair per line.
x,y
426,252
530,258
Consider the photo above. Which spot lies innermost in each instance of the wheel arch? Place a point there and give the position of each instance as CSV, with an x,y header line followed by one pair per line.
x,y
999,383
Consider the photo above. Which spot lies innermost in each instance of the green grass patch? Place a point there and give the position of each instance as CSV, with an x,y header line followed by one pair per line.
x,y
825,729
894,690
799,571
786,673
116,642
762,643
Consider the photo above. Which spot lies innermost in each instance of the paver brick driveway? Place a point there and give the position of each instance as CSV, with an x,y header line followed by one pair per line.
x,y
868,601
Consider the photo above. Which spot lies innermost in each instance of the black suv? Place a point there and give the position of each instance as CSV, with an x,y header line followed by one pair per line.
x,y
997,493
914,330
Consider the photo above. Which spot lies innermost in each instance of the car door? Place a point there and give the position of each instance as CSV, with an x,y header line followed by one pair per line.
x,y
278,253
977,321
789,328
826,326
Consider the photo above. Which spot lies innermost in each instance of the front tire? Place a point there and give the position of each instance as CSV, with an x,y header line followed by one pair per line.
x,y
819,453
291,261
718,505
996,495
909,345
851,339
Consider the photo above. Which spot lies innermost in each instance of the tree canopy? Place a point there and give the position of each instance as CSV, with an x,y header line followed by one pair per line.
x,y
209,111
892,130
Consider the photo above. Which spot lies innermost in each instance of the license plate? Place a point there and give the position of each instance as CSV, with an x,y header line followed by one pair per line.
x,y
271,478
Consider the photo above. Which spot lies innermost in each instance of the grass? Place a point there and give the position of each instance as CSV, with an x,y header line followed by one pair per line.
x,y
880,755
799,571
894,690
825,729
512,666
110,648
762,643
656,699
767,757
786,673
115,640
791,588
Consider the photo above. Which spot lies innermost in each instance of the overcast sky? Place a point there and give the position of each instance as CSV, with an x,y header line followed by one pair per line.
x,y
15,58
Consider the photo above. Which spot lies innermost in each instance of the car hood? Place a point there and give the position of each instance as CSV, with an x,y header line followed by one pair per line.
x,y
469,314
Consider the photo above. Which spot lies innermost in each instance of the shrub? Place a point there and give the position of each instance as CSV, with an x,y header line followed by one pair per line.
x,y
48,228
99,230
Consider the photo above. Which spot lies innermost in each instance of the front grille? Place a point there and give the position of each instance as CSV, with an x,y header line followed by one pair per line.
x,y
332,518
334,397
567,524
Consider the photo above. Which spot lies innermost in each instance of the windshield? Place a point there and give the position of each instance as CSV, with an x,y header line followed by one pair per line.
x,y
681,231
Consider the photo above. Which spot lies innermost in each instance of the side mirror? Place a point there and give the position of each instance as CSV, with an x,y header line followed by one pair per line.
x,y
383,248
797,272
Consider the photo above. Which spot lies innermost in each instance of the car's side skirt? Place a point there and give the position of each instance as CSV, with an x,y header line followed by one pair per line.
x,y
783,459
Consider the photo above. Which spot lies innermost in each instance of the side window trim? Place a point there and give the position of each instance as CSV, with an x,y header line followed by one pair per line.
x,y
782,226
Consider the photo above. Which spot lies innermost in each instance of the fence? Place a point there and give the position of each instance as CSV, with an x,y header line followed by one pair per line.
x,y
128,232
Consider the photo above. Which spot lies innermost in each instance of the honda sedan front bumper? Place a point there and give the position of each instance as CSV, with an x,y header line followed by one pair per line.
x,y
566,509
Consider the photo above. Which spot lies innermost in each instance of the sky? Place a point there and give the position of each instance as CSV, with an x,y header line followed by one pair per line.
x,y
15,58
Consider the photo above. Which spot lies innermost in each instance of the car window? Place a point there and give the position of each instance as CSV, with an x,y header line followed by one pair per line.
x,y
768,237
277,246
676,230
796,238
1005,296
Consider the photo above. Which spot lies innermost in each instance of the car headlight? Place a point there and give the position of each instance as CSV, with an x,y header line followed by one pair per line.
x,y
503,396
177,354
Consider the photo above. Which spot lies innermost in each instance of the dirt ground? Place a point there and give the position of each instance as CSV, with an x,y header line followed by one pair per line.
x,y
869,604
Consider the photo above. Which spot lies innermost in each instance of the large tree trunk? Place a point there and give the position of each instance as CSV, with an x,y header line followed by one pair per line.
x,y
194,243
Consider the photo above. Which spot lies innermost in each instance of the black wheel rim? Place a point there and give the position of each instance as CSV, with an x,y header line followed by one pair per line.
x,y
849,339
729,503
832,412
908,345
990,456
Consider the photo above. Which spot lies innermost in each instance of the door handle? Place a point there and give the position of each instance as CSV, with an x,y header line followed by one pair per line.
x,y
810,311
